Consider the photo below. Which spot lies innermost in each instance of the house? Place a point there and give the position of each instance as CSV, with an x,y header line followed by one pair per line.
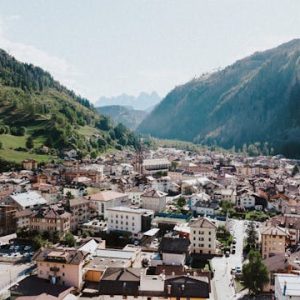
x,y
154,200
134,220
29,164
273,241
174,251
61,266
30,199
246,199
206,208
203,236
107,199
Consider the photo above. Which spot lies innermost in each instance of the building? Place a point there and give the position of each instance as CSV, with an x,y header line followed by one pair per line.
x,y
50,219
129,219
61,266
287,287
152,166
273,241
81,212
30,199
174,251
29,164
106,199
134,283
203,236
154,200
7,219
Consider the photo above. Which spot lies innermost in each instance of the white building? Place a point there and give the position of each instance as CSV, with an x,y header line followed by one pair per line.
x,y
154,200
203,236
287,287
134,220
30,199
107,199
246,200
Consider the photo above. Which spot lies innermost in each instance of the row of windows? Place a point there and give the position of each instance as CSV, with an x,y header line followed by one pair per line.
x,y
121,222
201,232
201,245
202,239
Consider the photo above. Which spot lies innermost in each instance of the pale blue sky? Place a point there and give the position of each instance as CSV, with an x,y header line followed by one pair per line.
x,y
107,47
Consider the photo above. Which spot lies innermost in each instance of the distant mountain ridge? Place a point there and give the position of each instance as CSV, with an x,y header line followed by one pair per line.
x,y
143,101
256,99
126,115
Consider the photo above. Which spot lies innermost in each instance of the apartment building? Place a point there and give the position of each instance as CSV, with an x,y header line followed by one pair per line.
x,y
51,219
203,236
61,266
273,241
154,200
107,199
134,220
81,211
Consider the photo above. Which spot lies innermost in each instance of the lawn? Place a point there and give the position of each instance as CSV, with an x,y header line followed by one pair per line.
x,y
19,156
88,131
11,142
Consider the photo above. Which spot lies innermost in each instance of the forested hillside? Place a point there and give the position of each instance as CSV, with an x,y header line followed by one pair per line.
x,y
253,103
49,116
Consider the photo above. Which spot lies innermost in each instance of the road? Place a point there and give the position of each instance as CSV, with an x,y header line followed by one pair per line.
x,y
10,274
222,282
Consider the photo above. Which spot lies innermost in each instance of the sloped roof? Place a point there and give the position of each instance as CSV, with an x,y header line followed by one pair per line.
x,y
154,194
202,223
273,230
106,196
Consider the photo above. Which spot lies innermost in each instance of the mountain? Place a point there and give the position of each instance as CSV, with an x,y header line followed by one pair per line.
x,y
255,100
35,107
142,102
126,115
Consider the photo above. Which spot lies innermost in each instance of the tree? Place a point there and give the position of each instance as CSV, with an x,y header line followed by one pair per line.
x,y
29,143
251,236
69,195
69,239
295,170
227,207
181,202
255,274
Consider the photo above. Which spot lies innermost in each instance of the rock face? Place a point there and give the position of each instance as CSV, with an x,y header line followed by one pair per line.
x,y
257,99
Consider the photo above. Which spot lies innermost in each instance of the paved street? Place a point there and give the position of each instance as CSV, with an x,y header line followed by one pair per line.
x,y
10,274
222,285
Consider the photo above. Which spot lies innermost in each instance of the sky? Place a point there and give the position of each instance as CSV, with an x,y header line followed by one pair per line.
x,y
109,47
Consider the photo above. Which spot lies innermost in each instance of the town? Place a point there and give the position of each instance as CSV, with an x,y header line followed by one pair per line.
x,y
151,224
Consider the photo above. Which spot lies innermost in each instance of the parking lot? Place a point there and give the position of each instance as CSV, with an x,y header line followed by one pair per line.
x,y
15,253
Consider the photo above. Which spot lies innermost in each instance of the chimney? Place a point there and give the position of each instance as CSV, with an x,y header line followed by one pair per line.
x,y
284,288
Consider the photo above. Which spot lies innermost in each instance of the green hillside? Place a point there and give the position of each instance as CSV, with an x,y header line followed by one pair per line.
x,y
255,101
35,107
